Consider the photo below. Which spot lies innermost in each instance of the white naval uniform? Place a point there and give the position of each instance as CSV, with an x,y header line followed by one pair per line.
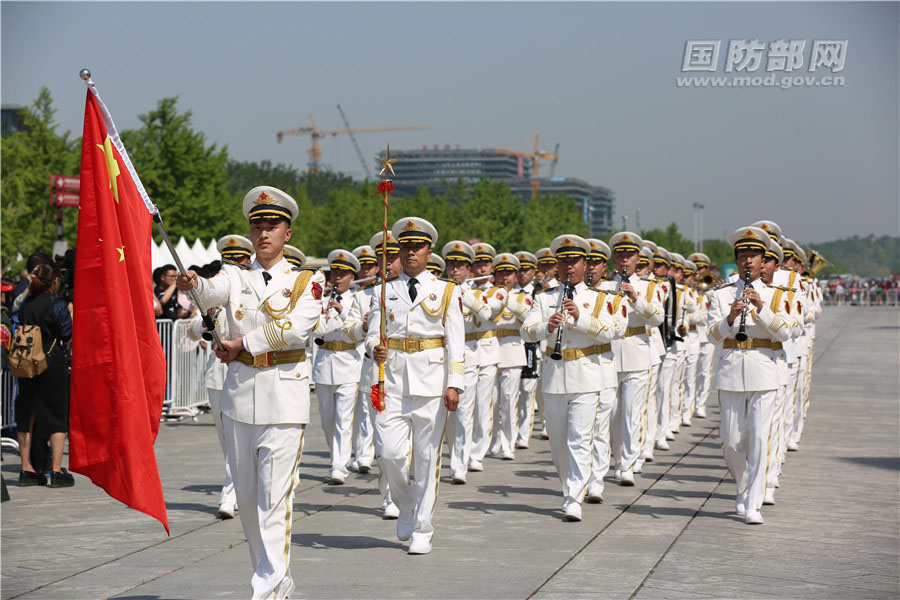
x,y
705,360
368,442
692,355
572,385
650,419
509,369
676,387
633,361
336,373
528,387
415,382
461,422
265,410
488,358
214,376
748,383
601,452
539,393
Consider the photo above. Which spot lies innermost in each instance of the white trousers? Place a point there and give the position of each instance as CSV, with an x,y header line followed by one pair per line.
x,y
570,424
789,404
336,404
650,418
799,413
690,385
632,394
215,409
704,373
461,423
776,433
663,389
744,426
525,409
676,392
412,472
365,429
264,461
600,451
508,387
484,406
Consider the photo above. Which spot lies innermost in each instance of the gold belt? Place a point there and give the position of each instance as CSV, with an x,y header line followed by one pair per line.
x,y
692,328
501,333
573,353
751,344
337,346
411,345
635,331
269,359
481,335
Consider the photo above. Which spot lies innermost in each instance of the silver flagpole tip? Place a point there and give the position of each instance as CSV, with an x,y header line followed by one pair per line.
x,y
84,74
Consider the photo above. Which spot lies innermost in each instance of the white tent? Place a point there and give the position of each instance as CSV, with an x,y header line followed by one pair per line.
x,y
200,255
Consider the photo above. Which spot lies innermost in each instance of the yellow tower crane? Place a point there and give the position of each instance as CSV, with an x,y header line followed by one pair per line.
x,y
536,164
315,163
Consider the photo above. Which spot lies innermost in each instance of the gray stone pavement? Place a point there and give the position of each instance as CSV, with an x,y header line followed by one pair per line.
x,y
834,532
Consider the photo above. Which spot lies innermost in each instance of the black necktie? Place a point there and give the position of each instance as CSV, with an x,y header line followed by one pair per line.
x,y
338,299
266,277
412,288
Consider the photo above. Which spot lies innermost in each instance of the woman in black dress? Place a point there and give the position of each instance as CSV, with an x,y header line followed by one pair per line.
x,y
42,408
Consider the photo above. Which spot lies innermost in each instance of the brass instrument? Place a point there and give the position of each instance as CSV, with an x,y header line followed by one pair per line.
x,y
707,280
816,263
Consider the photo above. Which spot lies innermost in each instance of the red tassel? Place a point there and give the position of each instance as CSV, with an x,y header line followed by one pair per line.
x,y
386,187
377,399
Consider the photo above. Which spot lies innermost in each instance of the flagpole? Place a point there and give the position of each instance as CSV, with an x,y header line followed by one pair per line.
x,y
386,188
208,322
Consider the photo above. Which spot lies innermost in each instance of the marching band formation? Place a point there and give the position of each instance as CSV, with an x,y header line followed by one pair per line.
x,y
615,346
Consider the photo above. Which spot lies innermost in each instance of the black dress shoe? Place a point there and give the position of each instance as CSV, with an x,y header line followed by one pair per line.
x,y
61,479
29,478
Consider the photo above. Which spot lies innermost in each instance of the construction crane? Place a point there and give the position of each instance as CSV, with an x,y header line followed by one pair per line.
x,y
365,165
535,165
315,163
555,160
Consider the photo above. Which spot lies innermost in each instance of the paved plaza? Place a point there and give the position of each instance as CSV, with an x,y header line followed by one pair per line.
x,y
833,533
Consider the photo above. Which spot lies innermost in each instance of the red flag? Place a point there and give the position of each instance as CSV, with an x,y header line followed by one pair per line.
x,y
118,365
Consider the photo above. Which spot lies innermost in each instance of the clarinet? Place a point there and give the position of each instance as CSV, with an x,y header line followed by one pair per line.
x,y
557,349
741,335
672,328
530,370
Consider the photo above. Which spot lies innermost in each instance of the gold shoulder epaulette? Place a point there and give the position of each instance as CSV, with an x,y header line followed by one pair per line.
x,y
647,278
298,269
225,261
371,285
548,289
447,279
724,284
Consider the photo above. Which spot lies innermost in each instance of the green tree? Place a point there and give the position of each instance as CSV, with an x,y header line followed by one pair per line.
x,y
27,159
183,175
545,217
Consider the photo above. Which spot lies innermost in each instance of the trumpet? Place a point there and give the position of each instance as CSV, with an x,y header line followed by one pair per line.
x,y
566,293
741,335
706,280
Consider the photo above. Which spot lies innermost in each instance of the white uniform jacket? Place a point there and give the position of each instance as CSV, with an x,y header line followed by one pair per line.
x,y
336,366
279,317
488,346
435,313
475,311
656,341
633,350
598,324
748,370
509,321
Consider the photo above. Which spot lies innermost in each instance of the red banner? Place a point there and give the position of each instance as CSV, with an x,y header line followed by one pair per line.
x,y
118,366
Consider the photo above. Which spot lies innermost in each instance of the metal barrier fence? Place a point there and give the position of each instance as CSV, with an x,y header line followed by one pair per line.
x,y
9,389
185,379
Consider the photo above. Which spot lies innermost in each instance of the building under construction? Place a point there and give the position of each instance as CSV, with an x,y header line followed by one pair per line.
x,y
439,168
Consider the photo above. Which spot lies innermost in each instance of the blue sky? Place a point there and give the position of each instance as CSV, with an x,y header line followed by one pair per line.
x,y
597,78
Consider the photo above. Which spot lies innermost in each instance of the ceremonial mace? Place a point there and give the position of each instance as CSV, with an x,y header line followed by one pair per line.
x,y
208,322
385,188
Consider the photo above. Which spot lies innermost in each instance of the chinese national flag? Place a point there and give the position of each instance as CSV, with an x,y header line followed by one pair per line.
x,y
118,366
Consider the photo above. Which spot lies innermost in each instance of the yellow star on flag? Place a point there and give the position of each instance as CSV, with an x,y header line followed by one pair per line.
x,y
112,167
121,252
